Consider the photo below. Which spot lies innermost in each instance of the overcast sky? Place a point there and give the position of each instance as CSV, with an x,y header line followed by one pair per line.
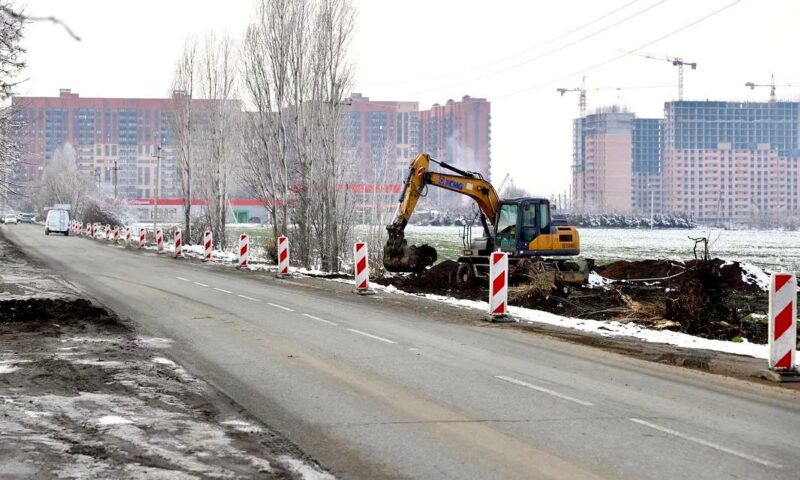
x,y
434,50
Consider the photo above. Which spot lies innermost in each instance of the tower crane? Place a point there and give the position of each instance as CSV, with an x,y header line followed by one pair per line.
x,y
675,61
582,92
771,86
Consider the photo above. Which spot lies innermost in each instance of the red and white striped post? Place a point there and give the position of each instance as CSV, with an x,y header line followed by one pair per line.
x,y
142,237
178,241
116,234
207,243
88,231
96,230
107,232
283,256
498,285
244,250
361,263
783,325
128,235
159,240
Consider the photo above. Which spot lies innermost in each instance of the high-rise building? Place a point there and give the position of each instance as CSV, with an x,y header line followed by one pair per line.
x,y
731,160
459,133
115,139
616,162
384,136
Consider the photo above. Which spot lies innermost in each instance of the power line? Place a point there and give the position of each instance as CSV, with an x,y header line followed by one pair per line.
x,y
625,54
548,53
514,55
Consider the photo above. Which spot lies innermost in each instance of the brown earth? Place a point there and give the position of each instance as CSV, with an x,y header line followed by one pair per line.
x,y
705,298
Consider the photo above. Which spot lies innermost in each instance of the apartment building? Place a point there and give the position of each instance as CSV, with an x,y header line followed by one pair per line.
x,y
731,161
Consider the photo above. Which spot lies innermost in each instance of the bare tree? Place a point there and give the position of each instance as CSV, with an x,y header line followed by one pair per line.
x,y
181,123
63,182
11,63
220,131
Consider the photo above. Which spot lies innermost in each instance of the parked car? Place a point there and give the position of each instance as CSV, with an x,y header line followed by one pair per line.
x,y
27,217
57,222
9,219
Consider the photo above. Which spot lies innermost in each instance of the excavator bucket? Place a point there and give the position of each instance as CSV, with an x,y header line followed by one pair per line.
x,y
398,256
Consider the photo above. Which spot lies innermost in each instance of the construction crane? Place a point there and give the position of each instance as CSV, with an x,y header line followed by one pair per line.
x,y
771,86
676,61
581,98
582,91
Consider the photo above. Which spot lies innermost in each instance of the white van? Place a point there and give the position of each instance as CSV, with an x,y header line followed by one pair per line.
x,y
57,222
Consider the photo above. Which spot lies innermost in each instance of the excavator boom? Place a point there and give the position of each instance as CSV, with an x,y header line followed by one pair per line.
x,y
398,256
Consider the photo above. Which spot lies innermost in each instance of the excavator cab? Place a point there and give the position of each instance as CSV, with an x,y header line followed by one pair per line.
x,y
520,222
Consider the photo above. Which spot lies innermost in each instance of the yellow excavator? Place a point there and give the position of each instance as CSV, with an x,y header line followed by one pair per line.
x,y
538,248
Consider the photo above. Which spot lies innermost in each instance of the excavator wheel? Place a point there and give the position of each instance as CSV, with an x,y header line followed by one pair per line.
x,y
465,275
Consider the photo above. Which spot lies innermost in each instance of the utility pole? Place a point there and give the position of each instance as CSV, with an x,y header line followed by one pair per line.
x,y
115,178
158,188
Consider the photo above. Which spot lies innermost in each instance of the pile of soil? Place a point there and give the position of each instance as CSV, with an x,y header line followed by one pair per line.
x,y
711,298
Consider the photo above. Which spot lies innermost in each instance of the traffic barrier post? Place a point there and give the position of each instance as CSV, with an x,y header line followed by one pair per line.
x,y
142,237
244,250
283,256
128,234
782,330
116,234
88,231
107,232
498,286
361,266
178,241
207,243
159,240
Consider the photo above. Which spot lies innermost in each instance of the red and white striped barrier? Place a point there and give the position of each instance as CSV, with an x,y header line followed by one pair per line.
x,y
207,243
283,256
498,284
361,266
107,232
244,250
142,237
159,240
128,235
116,234
88,231
782,322
96,230
178,240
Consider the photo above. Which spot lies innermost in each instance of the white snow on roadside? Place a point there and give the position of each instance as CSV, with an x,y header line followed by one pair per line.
x,y
163,361
596,280
241,426
604,328
112,420
155,342
8,369
754,275
306,471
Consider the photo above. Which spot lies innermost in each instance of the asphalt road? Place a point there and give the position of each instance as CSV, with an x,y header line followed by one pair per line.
x,y
373,387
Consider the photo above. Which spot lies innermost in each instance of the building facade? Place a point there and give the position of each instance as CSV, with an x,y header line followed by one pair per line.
x,y
731,161
116,140
616,163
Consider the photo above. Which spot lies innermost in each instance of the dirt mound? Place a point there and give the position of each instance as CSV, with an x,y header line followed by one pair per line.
x,y
439,279
641,270
51,316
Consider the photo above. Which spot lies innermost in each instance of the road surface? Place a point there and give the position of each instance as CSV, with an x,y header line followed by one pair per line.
x,y
373,387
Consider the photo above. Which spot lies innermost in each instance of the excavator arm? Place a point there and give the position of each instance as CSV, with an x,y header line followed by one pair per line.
x,y
398,256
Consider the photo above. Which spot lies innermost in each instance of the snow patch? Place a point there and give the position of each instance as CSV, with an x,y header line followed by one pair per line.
x,y
155,342
163,361
241,426
112,420
597,280
755,276
306,471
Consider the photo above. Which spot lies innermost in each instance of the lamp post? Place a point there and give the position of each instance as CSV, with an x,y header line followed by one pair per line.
x,y
116,176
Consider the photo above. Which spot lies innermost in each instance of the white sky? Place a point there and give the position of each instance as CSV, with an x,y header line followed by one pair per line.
x,y
433,50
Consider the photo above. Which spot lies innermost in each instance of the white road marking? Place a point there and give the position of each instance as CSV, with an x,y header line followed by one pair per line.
x,y
248,298
280,306
184,279
705,443
544,390
312,317
371,336
221,290
201,284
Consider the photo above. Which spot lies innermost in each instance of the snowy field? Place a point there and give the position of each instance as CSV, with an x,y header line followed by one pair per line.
x,y
772,250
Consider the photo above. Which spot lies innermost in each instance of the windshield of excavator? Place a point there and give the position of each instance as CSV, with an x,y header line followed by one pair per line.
x,y
507,227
